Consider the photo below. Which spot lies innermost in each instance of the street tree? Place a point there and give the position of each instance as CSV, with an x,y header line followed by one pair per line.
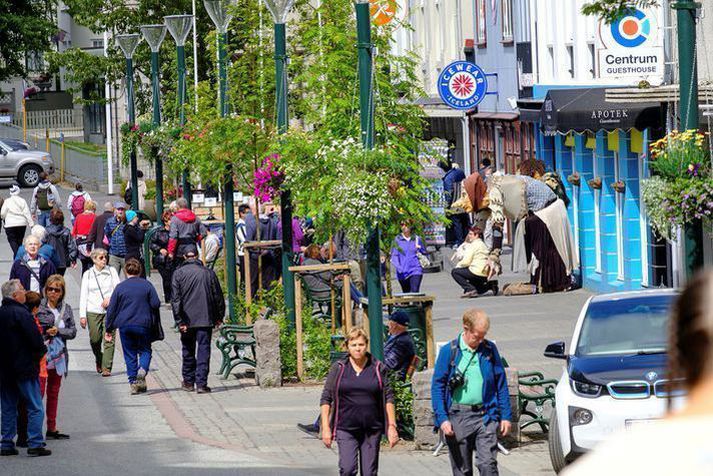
x,y
26,26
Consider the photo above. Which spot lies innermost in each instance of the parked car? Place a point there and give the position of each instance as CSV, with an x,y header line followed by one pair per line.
x,y
20,163
614,376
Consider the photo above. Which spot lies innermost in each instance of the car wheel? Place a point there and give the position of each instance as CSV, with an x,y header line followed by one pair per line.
x,y
29,176
555,445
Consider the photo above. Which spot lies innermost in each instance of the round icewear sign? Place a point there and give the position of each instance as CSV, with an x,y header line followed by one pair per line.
x,y
462,85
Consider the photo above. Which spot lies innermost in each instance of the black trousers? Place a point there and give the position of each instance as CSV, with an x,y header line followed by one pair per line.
x,y
358,449
471,282
15,235
271,268
166,272
196,355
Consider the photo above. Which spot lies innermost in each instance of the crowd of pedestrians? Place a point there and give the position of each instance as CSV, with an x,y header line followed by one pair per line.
x,y
37,322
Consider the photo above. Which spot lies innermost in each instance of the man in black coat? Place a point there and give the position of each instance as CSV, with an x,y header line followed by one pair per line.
x,y
399,348
21,348
96,234
198,306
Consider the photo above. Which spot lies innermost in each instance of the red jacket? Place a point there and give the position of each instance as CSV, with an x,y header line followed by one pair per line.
x,y
83,224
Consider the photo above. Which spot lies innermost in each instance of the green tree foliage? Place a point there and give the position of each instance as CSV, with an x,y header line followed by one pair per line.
x,y
26,26
611,10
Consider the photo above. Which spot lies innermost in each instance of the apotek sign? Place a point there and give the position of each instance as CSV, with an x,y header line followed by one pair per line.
x,y
632,47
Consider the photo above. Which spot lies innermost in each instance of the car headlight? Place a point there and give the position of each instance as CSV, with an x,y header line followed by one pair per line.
x,y
579,416
45,158
585,389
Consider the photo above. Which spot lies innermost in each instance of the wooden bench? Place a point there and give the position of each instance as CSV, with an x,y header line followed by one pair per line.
x,y
237,345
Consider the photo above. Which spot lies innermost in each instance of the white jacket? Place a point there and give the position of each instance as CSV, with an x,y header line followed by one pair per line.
x,y
76,193
16,212
91,294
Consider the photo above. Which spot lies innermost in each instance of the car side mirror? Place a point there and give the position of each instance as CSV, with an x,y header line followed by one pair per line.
x,y
555,350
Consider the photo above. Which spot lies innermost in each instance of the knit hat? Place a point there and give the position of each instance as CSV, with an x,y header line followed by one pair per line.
x,y
400,317
130,215
14,189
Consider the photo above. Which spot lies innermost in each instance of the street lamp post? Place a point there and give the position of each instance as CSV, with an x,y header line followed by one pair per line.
x,y
218,11
180,26
366,107
154,35
688,91
128,44
280,9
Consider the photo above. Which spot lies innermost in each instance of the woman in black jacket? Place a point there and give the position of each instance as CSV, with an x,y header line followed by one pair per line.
x,y
134,233
360,401
159,250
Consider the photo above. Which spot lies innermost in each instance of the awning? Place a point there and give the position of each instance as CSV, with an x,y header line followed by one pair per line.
x,y
494,116
529,109
581,110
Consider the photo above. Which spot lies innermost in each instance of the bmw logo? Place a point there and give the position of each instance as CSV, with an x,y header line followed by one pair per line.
x,y
651,376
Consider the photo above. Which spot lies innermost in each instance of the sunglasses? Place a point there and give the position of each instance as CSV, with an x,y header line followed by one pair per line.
x,y
54,290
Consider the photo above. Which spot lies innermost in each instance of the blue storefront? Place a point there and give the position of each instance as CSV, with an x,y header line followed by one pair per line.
x,y
600,150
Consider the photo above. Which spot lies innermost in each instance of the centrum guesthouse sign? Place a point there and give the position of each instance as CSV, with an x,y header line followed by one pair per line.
x,y
462,85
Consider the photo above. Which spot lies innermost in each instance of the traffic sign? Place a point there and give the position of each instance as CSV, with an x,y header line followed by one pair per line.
x,y
462,85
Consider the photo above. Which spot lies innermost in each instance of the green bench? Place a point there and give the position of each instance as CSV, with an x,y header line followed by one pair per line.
x,y
534,389
237,346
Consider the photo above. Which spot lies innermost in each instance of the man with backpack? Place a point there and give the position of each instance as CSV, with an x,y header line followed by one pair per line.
x,y
44,198
114,237
470,397
76,201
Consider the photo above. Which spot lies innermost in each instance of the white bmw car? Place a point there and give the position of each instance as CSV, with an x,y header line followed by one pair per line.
x,y
614,376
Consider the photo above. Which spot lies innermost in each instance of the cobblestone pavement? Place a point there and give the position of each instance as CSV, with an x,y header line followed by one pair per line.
x,y
241,429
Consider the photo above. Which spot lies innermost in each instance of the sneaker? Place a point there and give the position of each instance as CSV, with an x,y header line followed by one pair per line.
x,y
471,294
141,380
56,435
204,389
9,452
188,387
135,389
494,288
106,373
38,451
99,369
311,429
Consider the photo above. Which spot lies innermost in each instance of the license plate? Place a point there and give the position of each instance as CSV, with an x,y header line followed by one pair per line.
x,y
632,424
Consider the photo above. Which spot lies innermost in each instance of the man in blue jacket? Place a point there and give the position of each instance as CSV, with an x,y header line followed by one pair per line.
x,y
470,397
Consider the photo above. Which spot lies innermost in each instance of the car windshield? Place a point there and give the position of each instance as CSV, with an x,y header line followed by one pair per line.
x,y
626,326
13,144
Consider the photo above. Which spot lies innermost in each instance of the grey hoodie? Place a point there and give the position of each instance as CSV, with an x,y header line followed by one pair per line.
x,y
52,195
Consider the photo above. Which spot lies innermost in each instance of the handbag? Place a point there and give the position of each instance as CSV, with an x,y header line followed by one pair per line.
x,y
156,327
422,258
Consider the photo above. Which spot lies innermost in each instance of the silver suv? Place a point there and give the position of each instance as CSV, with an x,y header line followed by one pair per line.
x,y
20,163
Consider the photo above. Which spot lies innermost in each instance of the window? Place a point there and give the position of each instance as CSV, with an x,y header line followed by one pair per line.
x,y
592,60
619,203
480,21
570,56
507,21
553,66
98,43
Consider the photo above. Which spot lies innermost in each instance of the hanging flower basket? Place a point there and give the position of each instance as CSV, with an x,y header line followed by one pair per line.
x,y
268,179
595,183
575,179
681,190
619,186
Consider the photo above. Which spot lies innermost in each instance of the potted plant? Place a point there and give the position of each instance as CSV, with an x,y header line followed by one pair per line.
x,y
619,186
575,179
595,183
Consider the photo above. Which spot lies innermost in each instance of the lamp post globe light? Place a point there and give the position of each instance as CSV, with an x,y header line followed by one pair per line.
x,y
280,9
128,44
154,35
219,14
366,107
180,26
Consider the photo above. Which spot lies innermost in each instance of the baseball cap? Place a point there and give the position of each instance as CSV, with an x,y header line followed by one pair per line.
x,y
120,205
400,317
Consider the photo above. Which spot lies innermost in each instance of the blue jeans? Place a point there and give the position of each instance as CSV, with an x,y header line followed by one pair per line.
x,y
136,342
10,393
44,218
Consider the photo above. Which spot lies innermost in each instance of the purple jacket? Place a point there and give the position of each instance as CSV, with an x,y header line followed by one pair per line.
x,y
403,256
297,234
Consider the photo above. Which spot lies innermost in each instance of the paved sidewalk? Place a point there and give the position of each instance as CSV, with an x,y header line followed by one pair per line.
x,y
241,429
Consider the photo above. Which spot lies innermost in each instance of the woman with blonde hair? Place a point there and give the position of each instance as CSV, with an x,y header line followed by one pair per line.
x,y
57,321
98,283
358,408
